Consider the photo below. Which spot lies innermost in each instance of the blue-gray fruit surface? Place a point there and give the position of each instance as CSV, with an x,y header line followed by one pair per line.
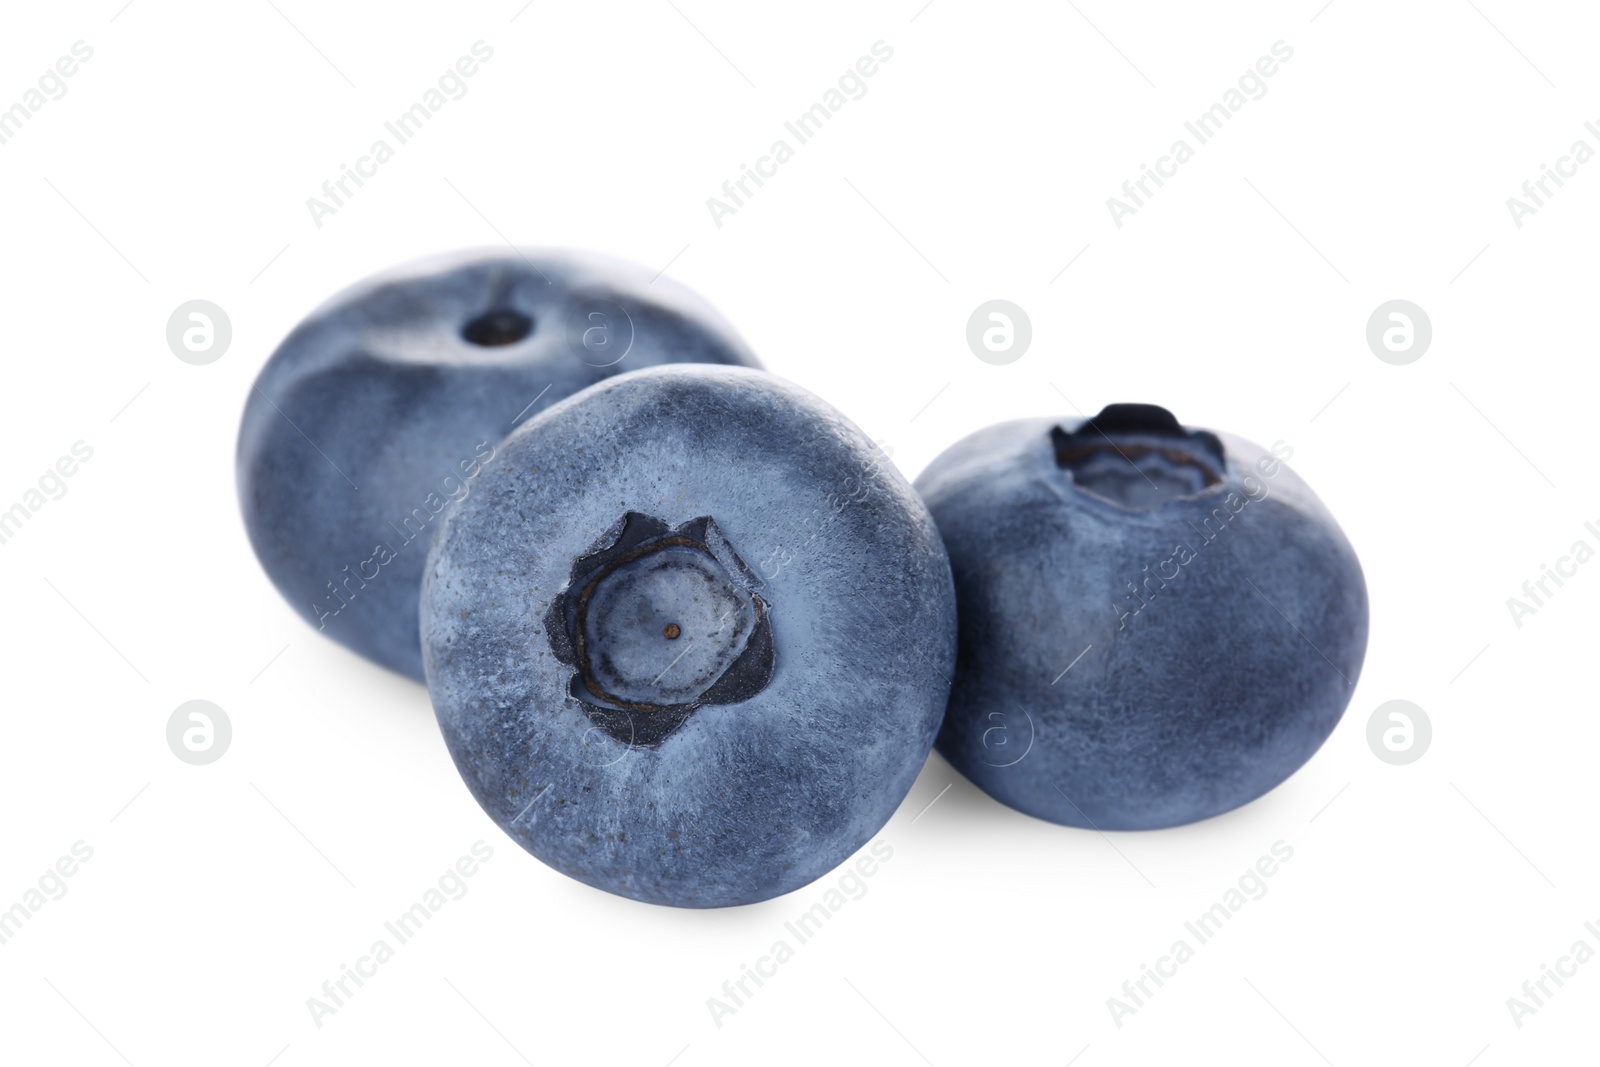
x,y
690,639
1157,624
382,410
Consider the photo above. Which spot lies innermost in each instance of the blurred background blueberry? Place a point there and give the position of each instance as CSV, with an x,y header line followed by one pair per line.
x,y
381,411
1157,624
690,640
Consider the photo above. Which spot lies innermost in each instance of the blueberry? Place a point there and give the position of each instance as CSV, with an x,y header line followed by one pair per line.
x,y
690,640
383,409
1157,624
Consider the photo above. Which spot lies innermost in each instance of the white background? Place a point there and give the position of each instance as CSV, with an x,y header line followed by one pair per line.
x,y
977,166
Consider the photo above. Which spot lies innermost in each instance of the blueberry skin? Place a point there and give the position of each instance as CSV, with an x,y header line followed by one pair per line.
x,y
402,386
793,767
1220,614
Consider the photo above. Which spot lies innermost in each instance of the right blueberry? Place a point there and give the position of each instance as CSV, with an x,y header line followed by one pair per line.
x,y
1157,624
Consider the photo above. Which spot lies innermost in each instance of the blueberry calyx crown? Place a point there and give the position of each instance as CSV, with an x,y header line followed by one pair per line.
x,y
497,327
1138,457
657,621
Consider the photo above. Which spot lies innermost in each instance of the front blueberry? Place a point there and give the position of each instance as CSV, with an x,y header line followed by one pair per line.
x,y
691,641
380,412
1158,624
